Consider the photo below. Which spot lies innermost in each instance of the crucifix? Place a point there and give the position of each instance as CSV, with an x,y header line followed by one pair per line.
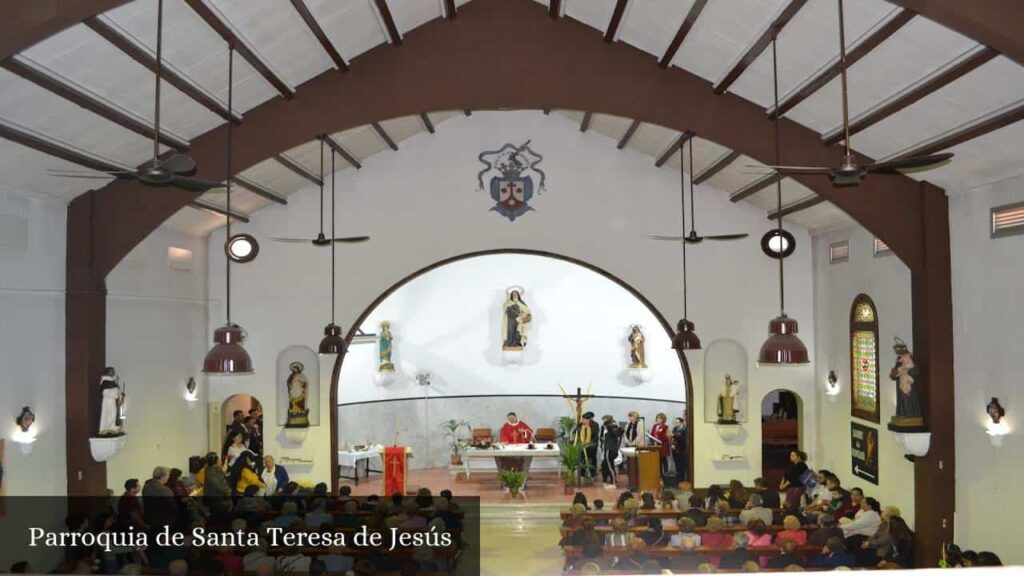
x,y
577,402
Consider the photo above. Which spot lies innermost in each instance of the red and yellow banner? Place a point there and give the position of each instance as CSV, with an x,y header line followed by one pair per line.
x,y
394,470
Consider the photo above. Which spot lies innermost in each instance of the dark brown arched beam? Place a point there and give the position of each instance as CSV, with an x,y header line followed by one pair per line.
x,y
28,22
995,23
354,331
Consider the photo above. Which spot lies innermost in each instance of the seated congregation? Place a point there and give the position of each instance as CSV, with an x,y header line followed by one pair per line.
x,y
737,528
248,531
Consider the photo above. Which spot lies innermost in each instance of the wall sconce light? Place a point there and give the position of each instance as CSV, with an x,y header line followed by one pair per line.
x,y
191,394
242,248
832,386
24,436
998,427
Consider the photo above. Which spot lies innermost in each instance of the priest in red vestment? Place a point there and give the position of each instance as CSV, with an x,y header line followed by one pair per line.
x,y
515,431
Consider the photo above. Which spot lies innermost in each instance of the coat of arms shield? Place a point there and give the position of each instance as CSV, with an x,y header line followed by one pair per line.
x,y
511,183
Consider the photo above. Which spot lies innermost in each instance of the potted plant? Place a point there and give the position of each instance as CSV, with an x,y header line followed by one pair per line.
x,y
513,480
571,456
453,426
566,424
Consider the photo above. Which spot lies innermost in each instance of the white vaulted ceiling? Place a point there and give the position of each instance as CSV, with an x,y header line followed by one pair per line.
x,y
281,40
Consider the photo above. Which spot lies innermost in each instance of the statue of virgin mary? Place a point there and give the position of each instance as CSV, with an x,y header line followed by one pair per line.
x,y
515,320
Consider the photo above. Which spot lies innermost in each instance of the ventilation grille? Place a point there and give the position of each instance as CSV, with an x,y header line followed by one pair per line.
x,y
1008,220
881,249
839,252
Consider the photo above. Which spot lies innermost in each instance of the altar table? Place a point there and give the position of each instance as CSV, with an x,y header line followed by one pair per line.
x,y
511,451
352,458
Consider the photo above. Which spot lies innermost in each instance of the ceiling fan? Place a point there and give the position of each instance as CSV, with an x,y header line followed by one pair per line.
x,y
848,173
321,239
693,237
177,169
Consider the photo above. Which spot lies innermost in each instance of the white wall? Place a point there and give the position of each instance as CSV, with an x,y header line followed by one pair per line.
x,y
421,205
156,338
988,329
32,358
887,281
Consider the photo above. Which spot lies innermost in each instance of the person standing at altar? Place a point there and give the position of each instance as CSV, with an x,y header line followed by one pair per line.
x,y
659,433
587,434
679,448
633,434
611,436
515,431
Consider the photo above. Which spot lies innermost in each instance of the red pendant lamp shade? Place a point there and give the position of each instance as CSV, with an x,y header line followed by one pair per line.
x,y
228,356
783,346
332,343
685,338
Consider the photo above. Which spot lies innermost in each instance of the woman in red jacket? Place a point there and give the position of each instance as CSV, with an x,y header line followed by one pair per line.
x,y
660,433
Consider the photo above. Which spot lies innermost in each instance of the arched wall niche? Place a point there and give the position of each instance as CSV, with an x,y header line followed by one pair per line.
x,y
307,363
664,333
725,357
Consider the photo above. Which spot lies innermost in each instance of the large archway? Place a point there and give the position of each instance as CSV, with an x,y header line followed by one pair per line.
x,y
618,282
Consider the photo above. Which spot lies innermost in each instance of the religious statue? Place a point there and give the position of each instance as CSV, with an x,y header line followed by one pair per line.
x,y
111,400
728,401
190,387
515,320
637,355
297,386
25,419
908,378
995,410
385,348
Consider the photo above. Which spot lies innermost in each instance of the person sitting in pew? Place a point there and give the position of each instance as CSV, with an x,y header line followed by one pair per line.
x,y
833,555
715,536
792,530
687,537
739,556
827,529
769,496
696,511
755,509
578,513
787,556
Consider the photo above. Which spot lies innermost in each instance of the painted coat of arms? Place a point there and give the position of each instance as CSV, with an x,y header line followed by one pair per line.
x,y
512,170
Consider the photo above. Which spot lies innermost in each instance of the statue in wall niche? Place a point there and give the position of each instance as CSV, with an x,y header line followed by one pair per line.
x,y
637,354
515,320
728,401
111,399
908,380
297,386
385,342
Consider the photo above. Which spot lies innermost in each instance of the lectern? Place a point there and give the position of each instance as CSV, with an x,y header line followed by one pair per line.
x,y
649,468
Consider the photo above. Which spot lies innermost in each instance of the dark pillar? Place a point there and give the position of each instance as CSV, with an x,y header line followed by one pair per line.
x,y
931,287
85,348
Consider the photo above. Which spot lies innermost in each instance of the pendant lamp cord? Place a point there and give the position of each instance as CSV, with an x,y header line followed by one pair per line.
x,y
231,84
682,196
159,69
333,173
778,178
321,186
842,71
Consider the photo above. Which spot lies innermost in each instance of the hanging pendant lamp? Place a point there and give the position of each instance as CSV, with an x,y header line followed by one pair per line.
x,y
685,338
783,347
228,356
332,343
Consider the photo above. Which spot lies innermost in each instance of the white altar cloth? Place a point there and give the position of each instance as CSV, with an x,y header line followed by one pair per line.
x,y
511,451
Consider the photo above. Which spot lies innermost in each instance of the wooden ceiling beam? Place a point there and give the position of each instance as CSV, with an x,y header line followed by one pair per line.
x,y
585,123
450,11
213,208
675,145
83,97
144,56
259,190
616,20
389,22
782,17
384,135
325,42
868,42
916,91
426,122
628,135
684,29
755,187
717,166
555,9
340,151
797,206
298,169
218,25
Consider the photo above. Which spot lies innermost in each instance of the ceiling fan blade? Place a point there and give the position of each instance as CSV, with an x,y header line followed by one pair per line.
x,y
914,162
669,238
85,176
350,239
293,240
181,164
726,237
194,184
795,169
94,173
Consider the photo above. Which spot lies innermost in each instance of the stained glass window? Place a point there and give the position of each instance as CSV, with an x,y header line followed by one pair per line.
x,y
864,358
